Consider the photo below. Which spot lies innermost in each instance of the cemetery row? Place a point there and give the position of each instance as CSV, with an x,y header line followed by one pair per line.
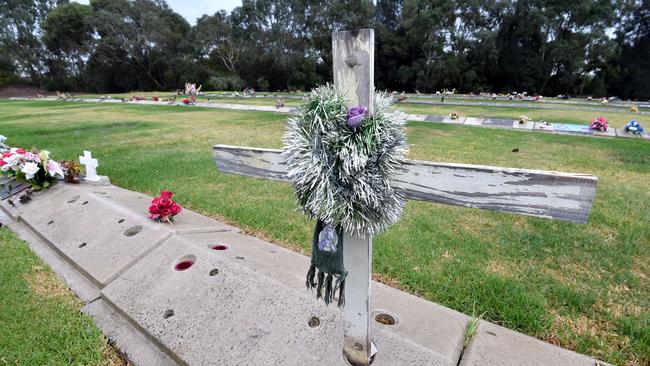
x,y
201,292
631,130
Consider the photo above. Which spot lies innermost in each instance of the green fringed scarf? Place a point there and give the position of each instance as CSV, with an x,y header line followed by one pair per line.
x,y
327,259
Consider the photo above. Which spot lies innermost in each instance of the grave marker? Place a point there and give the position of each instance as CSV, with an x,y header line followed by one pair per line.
x,y
91,166
562,196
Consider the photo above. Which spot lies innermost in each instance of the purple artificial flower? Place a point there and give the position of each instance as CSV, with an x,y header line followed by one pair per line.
x,y
356,115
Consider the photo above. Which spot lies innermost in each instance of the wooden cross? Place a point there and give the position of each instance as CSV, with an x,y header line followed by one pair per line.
x,y
561,196
91,165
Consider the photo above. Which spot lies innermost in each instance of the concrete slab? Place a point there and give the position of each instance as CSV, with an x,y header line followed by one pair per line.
x,y
473,121
564,128
541,126
457,121
434,118
621,133
255,310
611,132
102,230
126,338
497,122
497,346
416,117
527,126
79,284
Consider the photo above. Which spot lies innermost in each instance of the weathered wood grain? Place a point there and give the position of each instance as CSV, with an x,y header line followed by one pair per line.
x,y
353,62
353,56
553,195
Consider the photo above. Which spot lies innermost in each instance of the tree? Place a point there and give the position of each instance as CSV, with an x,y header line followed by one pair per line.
x,y
20,36
68,35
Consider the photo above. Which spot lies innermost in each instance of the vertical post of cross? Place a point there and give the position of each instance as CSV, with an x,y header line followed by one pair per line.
x,y
353,58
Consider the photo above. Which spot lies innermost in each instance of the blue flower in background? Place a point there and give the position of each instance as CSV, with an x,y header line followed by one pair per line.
x,y
633,127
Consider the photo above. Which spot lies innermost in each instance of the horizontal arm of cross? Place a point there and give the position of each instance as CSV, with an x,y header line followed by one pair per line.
x,y
553,195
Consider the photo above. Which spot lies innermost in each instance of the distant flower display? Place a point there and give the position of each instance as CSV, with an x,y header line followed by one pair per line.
x,y
599,124
634,128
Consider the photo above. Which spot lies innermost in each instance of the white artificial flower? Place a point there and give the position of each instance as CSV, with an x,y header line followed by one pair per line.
x,y
54,169
5,168
2,139
14,161
30,170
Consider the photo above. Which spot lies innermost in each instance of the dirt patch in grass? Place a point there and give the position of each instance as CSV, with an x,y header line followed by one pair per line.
x,y
583,334
502,269
46,284
110,357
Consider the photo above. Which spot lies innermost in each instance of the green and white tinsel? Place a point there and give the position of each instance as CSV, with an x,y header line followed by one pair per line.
x,y
342,174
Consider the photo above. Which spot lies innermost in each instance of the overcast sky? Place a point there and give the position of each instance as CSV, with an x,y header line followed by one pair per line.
x,y
193,9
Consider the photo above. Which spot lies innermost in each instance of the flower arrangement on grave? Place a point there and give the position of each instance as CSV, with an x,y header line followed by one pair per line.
x,y
634,109
340,162
71,171
523,119
191,89
33,167
155,98
599,124
454,115
163,208
634,128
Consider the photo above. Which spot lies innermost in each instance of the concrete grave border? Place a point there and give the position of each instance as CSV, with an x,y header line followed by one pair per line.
x,y
440,342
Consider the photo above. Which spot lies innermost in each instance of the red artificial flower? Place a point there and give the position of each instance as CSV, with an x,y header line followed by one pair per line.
x,y
175,208
2,162
7,155
186,101
163,208
20,150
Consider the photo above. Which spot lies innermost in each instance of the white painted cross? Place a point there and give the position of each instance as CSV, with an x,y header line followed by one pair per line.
x,y
552,195
91,166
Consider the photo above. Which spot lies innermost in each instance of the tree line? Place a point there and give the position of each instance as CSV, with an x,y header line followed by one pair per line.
x,y
574,47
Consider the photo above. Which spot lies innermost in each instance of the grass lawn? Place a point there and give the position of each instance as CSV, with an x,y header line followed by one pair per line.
x,y
40,319
583,287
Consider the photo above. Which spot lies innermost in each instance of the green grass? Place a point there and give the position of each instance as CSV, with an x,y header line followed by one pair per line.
x,y
40,318
584,287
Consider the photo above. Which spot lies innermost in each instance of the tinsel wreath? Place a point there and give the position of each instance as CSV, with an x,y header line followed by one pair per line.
x,y
340,163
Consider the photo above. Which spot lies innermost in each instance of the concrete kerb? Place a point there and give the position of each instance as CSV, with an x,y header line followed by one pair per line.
x,y
253,309
495,345
269,306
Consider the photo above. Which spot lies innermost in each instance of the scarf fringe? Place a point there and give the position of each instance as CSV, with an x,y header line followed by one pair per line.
x,y
325,285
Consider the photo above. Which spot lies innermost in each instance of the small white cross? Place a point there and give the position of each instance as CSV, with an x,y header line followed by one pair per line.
x,y
91,165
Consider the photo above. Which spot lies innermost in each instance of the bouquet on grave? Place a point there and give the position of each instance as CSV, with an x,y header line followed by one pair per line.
x,y
340,162
454,115
33,167
523,119
71,170
634,128
599,124
162,208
